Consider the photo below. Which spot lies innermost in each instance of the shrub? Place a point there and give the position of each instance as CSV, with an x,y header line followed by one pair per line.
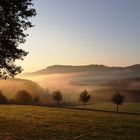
x,y
3,98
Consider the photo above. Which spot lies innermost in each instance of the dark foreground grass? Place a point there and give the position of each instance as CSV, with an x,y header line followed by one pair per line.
x,y
42,123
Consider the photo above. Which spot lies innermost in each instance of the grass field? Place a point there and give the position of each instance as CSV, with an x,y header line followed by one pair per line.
x,y
42,123
109,106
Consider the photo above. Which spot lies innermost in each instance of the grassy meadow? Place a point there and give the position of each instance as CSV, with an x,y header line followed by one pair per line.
x,y
43,123
127,107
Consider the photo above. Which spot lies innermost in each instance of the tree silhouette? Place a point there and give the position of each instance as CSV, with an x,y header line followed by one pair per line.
x,y
84,97
118,99
14,15
57,96
23,97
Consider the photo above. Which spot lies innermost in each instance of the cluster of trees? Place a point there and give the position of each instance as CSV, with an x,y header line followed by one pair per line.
x,y
84,97
22,97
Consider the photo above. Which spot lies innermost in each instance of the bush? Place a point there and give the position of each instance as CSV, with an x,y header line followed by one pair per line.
x,y
3,98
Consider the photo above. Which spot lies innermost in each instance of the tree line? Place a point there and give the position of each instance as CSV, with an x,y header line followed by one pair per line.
x,y
84,97
23,97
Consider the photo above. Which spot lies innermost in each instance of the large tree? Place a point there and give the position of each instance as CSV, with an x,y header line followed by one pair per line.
x,y
14,20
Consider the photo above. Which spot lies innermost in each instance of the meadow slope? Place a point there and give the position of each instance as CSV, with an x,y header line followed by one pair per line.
x,y
43,123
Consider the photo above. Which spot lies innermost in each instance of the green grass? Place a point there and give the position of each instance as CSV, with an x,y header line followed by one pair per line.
x,y
42,123
109,106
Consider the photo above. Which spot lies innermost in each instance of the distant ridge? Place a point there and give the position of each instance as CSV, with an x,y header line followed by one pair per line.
x,y
93,68
134,67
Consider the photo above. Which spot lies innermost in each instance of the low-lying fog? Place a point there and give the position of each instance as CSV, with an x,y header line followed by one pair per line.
x,y
71,84
70,81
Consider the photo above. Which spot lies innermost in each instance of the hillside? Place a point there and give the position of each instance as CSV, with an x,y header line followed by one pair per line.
x,y
129,71
10,87
99,80
42,123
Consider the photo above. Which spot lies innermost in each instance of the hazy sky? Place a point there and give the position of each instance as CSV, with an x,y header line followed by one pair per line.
x,y
80,32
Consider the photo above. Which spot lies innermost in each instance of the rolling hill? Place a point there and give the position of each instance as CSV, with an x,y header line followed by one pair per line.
x,y
129,71
10,87
100,80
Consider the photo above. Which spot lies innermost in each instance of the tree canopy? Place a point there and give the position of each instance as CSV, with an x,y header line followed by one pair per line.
x,y
57,96
84,96
118,99
14,20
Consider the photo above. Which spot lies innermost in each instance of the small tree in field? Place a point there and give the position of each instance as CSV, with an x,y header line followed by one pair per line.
x,y
118,99
57,96
84,97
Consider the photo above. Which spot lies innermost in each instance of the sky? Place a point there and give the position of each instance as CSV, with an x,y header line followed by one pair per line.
x,y
82,32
